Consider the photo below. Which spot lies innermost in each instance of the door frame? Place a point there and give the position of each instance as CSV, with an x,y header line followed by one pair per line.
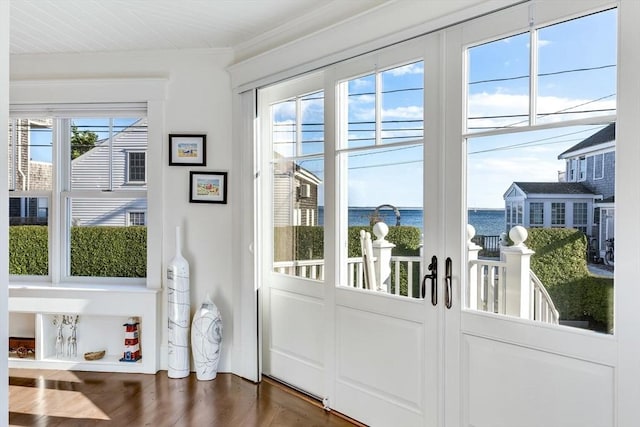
x,y
628,347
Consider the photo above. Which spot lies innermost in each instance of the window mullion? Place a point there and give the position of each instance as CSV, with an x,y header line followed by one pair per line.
x,y
298,126
14,153
110,154
533,73
58,248
378,108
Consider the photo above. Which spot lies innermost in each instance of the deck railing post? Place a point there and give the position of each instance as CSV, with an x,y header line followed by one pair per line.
x,y
382,254
472,279
518,261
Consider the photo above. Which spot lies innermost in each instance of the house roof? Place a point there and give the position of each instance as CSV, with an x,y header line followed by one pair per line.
x,y
553,188
611,199
606,134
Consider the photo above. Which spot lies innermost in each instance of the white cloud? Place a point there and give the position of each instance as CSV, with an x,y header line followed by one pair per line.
x,y
415,68
543,43
362,83
489,107
410,112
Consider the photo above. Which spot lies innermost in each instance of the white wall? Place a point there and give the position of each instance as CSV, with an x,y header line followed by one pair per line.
x,y
198,101
4,219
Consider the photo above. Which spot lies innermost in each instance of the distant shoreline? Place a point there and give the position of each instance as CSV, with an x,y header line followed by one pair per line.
x,y
414,208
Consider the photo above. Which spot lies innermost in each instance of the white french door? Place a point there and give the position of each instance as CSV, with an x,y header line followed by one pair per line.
x,y
350,144
532,96
460,353
296,319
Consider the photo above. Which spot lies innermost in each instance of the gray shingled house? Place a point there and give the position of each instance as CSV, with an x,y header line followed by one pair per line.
x,y
585,200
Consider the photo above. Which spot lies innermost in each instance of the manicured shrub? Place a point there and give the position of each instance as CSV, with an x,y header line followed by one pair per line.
x,y
560,264
28,250
307,242
95,251
109,251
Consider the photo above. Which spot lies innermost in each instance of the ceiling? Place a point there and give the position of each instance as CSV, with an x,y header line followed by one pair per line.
x,y
74,26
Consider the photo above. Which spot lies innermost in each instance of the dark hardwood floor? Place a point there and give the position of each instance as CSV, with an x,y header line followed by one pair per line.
x,y
63,398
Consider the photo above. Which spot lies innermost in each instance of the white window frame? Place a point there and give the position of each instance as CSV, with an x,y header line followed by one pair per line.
x,y
582,169
128,166
573,170
555,217
136,211
78,97
595,162
581,225
531,216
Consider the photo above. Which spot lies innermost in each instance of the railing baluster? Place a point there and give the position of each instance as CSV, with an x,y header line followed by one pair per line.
x,y
491,291
410,279
480,282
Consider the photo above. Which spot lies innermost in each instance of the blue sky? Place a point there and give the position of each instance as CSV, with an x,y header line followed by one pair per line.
x,y
577,73
576,79
41,139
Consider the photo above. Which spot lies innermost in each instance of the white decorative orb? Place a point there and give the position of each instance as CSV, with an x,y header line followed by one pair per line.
x,y
518,235
380,229
471,231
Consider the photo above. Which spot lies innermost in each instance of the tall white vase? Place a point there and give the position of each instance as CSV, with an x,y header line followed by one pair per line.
x,y
178,313
206,340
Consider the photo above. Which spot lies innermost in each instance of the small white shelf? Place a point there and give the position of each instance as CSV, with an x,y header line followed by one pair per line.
x,y
102,314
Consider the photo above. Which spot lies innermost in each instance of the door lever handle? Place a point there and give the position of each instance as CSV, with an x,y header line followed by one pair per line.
x,y
433,268
448,289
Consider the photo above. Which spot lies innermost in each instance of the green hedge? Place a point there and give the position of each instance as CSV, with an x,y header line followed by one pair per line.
x,y
28,253
307,242
95,251
560,264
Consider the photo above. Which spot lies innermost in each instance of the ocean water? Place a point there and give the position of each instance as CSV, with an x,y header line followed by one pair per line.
x,y
487,222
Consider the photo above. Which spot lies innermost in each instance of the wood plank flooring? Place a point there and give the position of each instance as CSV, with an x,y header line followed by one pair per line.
x,y
46,398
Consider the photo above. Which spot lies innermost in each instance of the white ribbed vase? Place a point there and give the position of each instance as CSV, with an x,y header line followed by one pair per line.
x,y
206,340
178,313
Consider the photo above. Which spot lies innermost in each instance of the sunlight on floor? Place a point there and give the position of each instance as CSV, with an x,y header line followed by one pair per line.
x,y
67,376
54,403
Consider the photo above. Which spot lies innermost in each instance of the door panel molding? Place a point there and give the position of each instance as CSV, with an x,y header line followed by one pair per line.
x,y
513,386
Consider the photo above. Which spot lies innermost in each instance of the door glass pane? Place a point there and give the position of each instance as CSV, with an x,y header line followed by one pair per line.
x,y
297,127
311,123
498,84
572,84
382,187
520,180
401,94
385,186
386,107
361,106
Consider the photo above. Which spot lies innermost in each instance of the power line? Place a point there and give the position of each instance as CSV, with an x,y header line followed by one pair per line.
x,y
534,143
553,73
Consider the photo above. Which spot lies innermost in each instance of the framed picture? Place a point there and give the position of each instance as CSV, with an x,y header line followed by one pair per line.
x,y
187,150
208,187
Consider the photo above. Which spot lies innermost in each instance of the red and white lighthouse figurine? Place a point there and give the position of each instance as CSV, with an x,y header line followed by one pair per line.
x,y
131,342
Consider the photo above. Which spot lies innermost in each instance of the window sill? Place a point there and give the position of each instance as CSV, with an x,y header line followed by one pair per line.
x,y
84,300
89,287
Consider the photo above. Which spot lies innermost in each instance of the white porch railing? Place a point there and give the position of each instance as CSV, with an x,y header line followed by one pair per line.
x,y
490,293
506,287
542,307
314,269
308,268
